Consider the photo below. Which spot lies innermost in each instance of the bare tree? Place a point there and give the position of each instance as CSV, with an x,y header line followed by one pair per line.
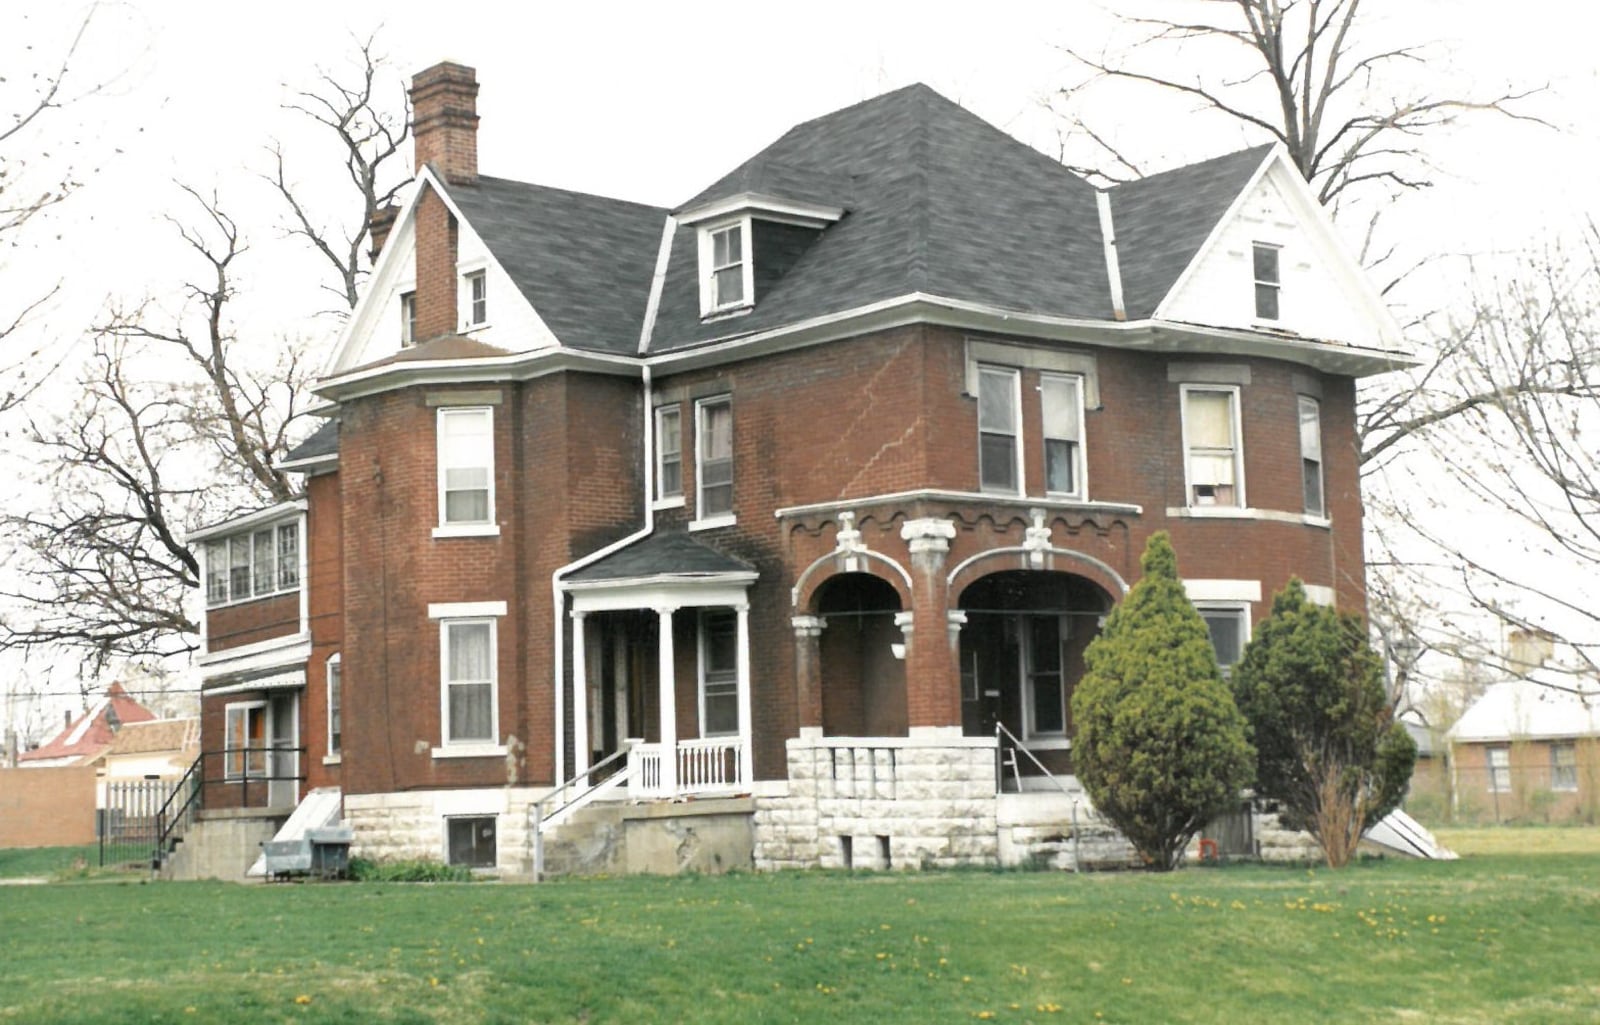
x,y
182,419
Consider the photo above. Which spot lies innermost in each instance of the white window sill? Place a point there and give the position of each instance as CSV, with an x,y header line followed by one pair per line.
x,y
670,502
470,751
725,312
467,328
332,759
1234,512
1048,744
713,522
467,530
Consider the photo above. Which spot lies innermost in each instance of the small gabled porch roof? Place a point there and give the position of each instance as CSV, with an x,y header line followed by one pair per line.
x,y
663,556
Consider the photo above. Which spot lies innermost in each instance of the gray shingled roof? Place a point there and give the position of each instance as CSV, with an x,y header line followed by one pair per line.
x,y
941,202
324,441
584,262
671,552
1161,222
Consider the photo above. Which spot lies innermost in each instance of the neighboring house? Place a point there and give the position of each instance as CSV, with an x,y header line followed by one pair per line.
x,y
795,493
1529,750
158,749
84,739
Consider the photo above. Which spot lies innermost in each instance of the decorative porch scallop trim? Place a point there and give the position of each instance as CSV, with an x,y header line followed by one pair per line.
x,y
1028,551
850,549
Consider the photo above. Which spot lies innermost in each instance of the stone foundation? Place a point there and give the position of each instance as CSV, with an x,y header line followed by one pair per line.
x,y
411,825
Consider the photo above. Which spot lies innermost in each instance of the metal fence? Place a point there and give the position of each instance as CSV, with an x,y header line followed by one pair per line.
x,y
126,821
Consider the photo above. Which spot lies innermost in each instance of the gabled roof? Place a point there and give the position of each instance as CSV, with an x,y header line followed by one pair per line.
x,y
324,441
87,736
1162,221
157,736
1550,705
670,553
583,262
940,202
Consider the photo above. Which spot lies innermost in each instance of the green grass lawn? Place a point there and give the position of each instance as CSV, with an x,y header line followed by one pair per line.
x,y
1488,938
44,862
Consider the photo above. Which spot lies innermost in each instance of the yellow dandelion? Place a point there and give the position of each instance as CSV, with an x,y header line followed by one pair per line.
x,y
302,999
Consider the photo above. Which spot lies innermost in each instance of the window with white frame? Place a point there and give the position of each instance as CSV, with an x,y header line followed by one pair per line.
x,y
1499,764
1268,280
467,663
713,457
1046,690
669,452
1564,767
470,841
1311,455
725,267
253,564
335,706
466,466
245,740
1211,446
719,673
477,296
1229,626
1061,403
999,442
408,318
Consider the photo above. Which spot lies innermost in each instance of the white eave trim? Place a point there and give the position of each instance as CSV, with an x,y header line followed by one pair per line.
x,y
292,679
308,463
764,207
655,580
248,658
517,366
283,510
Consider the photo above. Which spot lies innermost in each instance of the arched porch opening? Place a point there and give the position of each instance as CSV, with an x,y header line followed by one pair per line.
x,y
1021,656
861,649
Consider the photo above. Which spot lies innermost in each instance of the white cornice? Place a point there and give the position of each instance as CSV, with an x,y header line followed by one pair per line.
x,y
283,510
766,207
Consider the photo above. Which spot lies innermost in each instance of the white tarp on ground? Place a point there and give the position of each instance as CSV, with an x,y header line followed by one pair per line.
x,y
321,807
1403,834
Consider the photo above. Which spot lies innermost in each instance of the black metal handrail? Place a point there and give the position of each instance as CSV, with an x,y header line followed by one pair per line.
x,y
187,798
187,795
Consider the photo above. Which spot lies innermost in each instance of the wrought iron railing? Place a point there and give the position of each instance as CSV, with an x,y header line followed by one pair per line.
x,y
240,766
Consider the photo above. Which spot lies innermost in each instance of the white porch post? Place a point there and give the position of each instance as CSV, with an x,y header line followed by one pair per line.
x,y
669,708
745,732
580,697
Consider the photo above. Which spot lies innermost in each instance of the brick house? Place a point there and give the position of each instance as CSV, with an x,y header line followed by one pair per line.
x,y
1528,750
802,499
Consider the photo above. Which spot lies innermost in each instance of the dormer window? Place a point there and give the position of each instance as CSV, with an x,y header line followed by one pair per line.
x,y
477,299
408,319
726,269
1267,279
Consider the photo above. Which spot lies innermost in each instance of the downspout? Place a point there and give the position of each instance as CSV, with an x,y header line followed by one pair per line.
x,y
557,590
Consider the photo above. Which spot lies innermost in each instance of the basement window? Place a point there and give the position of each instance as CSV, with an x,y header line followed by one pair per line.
x,y
470,841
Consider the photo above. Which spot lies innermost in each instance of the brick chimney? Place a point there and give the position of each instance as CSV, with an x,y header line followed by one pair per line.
x,y
444,121
379,227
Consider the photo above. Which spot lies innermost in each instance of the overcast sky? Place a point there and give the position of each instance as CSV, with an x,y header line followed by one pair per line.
x,y
652,101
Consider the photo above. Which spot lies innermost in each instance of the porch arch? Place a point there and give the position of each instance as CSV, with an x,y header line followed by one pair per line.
x,y
842,562
1036,559
860,655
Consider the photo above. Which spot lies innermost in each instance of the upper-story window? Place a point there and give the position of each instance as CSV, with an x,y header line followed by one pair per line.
x,y
726,276
1311,455
1264,259
1061,404
669,452
253,564
713,453
999,443
477,298
466,467
408,318
1212,449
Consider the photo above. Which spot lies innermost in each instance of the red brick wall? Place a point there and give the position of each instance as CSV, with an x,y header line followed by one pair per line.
x,y
325,560
262,619
437,244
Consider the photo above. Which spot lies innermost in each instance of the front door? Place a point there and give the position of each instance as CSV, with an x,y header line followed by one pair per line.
x,y
283,761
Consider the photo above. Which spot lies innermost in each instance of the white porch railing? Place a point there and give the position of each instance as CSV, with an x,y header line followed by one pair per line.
x,y
704,766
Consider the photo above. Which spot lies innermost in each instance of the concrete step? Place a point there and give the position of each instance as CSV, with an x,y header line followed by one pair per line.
x,y
588,843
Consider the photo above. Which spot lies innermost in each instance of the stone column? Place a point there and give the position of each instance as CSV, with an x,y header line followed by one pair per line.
x,y
933,680
581,747
668,697
808,671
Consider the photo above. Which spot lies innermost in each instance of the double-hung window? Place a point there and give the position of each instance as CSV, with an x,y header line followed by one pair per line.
x,y
477,298
1061,401
1564,767
719,673
999,441
727,266
1212,447
466,467
245,741
669,452
335,707
1311,455
467,660
253,564
408,318
1229,626
1268,281
713,453
1499,764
